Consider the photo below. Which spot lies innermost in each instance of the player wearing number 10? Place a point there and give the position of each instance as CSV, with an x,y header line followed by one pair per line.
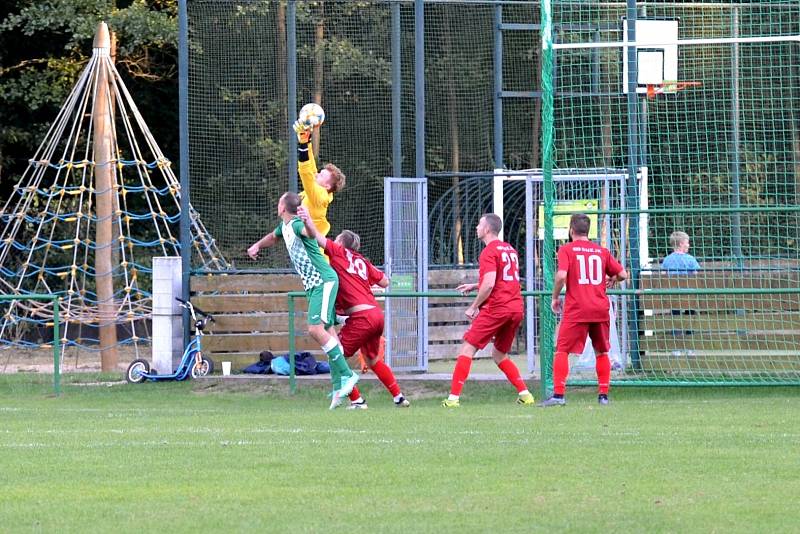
x,y
587,269
496,312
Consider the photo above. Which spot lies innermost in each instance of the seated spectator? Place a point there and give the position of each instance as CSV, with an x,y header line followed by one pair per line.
x,y
680,261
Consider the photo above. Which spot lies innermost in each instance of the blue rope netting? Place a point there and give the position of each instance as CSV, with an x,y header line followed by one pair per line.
x,y
48,226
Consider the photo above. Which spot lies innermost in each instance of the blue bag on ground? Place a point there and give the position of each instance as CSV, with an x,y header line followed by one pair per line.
x,y
304,364
280,365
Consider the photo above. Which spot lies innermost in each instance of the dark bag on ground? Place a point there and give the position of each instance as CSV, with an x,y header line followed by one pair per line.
x,y
305,364
262,366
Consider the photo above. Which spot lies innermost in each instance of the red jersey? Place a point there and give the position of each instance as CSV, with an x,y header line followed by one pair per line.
x,y
356,276
587,266
501,258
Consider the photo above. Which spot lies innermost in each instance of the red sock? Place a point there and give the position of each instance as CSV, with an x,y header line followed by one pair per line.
x,y
560,372
460,374
603,367
511,371
355,394
386,376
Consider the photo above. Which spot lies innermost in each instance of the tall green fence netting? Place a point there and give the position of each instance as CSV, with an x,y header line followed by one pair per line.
x,y
712,150
707,132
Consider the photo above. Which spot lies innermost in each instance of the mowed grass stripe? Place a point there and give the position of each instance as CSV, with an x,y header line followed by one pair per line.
x,y
218,458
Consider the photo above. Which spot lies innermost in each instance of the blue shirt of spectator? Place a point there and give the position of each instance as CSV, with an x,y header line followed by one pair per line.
x,y
680,261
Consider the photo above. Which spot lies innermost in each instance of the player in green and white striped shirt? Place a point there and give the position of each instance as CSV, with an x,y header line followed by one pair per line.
x,y
321,284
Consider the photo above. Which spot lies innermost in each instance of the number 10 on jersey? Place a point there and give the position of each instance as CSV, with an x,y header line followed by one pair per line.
x,y
591,269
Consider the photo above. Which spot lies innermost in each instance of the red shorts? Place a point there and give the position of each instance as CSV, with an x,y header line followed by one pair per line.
x,y
502,326
362,331
572,336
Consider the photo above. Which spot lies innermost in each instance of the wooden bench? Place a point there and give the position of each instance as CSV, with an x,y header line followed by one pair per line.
x,y
726,331
252,315
446,320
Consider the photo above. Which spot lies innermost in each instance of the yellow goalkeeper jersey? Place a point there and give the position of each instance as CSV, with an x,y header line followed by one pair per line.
x,y
314,197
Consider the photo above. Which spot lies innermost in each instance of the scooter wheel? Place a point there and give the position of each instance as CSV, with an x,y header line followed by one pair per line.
x,y
136,370
206,367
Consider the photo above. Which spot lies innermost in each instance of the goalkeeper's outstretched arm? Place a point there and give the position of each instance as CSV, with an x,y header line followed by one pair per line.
x,y
306,164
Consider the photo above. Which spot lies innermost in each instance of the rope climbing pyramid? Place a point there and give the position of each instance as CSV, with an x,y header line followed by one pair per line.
x,y
96,203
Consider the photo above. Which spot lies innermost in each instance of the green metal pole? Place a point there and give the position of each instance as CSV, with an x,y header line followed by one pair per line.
x,y
292,380
56,331
631,184
419,88
185,229
548,259
56,347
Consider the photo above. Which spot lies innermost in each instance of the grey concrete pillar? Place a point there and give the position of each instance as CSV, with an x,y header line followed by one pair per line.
x,y
167,317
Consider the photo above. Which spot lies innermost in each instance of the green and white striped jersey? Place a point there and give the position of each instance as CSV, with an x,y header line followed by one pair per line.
x,y
306,257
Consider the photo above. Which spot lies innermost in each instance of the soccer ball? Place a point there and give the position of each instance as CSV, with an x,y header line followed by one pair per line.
x,y
312,115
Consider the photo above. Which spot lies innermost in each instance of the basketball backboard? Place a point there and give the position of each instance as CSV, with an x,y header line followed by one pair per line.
x,y
656,61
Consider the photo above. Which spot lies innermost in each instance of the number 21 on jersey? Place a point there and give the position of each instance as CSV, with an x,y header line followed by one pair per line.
x,y
510,266
591,269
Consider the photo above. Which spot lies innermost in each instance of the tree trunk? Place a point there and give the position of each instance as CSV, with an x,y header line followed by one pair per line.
x,y
280,65
319,68
115,251
455,145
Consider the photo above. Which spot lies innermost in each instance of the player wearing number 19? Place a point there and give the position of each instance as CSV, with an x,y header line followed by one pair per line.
x,y
364,326
321,285
587,269
496,312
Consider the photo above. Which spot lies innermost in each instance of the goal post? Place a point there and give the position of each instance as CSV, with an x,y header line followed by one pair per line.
x,y
585,190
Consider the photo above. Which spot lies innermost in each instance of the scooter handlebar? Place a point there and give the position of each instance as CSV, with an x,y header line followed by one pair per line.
x,y
189,306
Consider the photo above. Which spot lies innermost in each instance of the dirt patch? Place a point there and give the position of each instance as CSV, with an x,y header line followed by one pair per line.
x,y
75,360
250,386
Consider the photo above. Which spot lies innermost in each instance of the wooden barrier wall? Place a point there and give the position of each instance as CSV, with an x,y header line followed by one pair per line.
x,y
251,313
720,322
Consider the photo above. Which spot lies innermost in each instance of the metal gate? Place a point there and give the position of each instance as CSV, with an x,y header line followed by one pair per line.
x,y
597,191
406,255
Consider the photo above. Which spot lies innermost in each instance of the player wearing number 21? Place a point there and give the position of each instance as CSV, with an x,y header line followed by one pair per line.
x,y
496,312
587,270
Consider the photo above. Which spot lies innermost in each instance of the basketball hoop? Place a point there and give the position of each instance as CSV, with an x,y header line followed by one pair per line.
x,y
669,87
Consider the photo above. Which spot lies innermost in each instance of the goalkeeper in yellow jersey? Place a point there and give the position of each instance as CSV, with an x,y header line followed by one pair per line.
x,y
318,187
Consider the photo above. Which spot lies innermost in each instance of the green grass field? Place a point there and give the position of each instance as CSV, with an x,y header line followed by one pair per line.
x,y
213,455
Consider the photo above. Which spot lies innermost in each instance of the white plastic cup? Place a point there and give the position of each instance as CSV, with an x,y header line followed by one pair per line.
x,y
226,368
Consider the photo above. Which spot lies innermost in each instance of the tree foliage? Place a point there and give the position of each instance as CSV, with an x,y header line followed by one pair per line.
x,y
46,44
